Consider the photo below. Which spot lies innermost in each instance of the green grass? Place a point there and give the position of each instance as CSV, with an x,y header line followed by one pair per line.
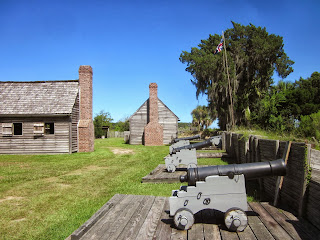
x,y
50,196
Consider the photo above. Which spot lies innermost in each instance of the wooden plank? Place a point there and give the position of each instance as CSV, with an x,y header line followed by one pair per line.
x,y
303,227
150,224
160,175
96,217
280,178
165,224
210,227
281,219
196,232
247,234
226,235
277,231
123,218
211,231
257,227
134,224
179,234
106,225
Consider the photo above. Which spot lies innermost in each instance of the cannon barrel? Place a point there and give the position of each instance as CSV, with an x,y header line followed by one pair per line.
x,y
185,138
194,145
213,140
249,170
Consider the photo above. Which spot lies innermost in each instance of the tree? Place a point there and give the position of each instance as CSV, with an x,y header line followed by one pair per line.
x,y
272,112
310,126
304,98
252,55
201,117
100,120
122,125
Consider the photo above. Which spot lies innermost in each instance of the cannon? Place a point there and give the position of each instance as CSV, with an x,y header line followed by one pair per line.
x,y
186,155
219,188
179,142
216,140
175,140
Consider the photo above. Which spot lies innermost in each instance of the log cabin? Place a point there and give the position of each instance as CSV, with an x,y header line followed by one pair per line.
x,y
47,117
153,123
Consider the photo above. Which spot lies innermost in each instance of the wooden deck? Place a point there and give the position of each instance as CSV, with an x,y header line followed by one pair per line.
x,y
147,217
161,175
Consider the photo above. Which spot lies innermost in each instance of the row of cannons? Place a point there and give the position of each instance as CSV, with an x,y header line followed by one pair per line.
x,y
221,187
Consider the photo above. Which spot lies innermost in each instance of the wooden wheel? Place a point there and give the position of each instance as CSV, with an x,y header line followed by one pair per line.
x,y
236,220
171,168
183,219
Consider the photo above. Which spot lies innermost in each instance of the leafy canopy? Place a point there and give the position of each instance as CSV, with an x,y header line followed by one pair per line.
x,y
252,56
102,119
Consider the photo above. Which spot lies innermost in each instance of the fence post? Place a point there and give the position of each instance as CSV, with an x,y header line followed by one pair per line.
x,y
305,181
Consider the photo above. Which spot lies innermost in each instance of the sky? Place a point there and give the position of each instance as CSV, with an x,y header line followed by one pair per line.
x,y
132,43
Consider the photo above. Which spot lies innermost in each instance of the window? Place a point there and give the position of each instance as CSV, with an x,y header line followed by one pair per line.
x,y
49,128
6,129
17,128
38,128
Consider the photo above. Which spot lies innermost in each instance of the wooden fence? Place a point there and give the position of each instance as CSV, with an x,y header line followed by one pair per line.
x,y
115,134
301,186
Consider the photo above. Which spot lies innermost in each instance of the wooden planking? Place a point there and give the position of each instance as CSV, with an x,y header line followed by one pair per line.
x,y
150,224
115,220
274,228
161,175
281,220
74,125
59,142
147,217
76,235
164,231
259,229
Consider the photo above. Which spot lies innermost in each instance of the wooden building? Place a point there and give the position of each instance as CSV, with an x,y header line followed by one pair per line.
x,y
154,113
47,117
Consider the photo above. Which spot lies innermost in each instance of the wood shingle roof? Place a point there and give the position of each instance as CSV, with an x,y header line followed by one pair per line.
x,y
38,98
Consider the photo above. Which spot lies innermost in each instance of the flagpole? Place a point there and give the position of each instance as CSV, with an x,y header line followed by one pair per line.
x,y
229,84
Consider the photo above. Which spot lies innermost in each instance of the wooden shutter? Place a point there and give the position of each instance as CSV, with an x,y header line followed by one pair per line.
x,y
7,129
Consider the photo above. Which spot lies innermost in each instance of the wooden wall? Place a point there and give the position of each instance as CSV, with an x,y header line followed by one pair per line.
x,y
137,123
74,126
313,190
140,119
59,142
300,193
169,122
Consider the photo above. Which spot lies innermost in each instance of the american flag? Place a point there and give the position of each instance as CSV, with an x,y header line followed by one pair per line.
x,y
219,47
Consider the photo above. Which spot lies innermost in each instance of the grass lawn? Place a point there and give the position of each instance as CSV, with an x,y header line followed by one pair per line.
x,y
50,196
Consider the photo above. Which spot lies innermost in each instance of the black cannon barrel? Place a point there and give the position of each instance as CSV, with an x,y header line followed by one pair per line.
x,y
249,170
186,138
194,145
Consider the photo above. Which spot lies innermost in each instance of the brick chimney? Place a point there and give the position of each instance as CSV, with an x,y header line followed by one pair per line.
x,y
153,132
85,126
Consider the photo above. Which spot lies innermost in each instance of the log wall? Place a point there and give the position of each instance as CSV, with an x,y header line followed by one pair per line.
x,y
300,190
313,190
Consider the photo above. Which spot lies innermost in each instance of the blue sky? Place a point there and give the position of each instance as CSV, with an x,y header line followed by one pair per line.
x,y
130,44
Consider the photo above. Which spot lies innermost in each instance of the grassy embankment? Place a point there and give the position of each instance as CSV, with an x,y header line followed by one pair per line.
x,y
49,196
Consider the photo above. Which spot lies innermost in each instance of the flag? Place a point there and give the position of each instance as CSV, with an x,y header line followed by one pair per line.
x,y
219,47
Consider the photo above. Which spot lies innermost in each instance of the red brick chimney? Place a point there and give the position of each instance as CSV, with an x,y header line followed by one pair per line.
x,y
85,126
153,132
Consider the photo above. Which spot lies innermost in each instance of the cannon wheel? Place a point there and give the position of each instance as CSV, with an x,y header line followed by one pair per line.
x,y
183,219
192,165
171,168
236,220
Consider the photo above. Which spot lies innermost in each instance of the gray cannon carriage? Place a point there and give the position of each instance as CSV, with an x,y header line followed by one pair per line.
x,y
219,188
186,154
